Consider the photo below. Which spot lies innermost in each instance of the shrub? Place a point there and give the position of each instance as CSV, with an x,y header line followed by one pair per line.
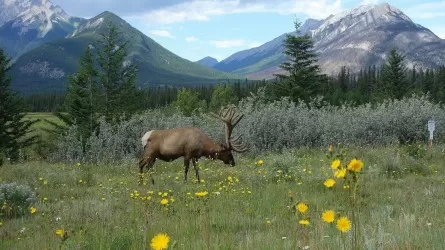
x,y
273,126
15,199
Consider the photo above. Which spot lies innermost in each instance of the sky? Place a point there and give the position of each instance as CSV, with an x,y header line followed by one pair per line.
x,y
194,29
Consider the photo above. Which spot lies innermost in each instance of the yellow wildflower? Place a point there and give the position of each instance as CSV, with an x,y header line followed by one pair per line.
x,y
32,210
340,173
328,216
45,182
201,194
301,207
60,232
343,224
329,183
164,201
335,164
355,165
160,241
304,222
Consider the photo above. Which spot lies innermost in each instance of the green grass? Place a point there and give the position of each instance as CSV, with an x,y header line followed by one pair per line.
x,y
400,203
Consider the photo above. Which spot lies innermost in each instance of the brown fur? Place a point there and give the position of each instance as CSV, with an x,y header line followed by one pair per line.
x,y
190,143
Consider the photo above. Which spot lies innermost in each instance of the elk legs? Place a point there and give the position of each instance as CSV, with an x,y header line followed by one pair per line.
x,y
194,161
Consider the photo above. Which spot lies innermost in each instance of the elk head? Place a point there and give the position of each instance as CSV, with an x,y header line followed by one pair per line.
x,y
230,119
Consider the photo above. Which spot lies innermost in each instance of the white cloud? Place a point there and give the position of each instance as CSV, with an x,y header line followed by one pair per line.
x,y
163,33
202,10
191,39
228,43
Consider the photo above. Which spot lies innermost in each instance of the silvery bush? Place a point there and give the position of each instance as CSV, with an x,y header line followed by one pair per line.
x,y
15,199
270,126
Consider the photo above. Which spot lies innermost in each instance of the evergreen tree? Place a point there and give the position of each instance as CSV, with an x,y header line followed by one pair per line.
x,y
117,76
303,79
394,78
13,128
81,100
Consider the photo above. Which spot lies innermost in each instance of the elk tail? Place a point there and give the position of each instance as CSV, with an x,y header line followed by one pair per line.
x,y
145,138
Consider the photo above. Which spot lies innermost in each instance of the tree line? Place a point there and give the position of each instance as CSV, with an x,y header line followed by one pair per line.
x,y
105,86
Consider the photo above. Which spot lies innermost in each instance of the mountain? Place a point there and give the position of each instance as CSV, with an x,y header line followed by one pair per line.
x,y
10,9
46,67
356,39
208,61
40,22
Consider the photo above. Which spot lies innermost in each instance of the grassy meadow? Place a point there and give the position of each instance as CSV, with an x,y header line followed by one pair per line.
x,y
396,202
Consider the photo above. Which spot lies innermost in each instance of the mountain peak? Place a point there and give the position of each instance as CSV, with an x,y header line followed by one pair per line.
x,y
208,61
361,17
96,23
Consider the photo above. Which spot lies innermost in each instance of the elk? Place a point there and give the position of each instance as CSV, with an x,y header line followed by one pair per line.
x,y
192,143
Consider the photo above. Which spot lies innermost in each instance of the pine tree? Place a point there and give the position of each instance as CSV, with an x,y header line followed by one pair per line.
x,y
13,128
303,79
117,76
81,100
394,77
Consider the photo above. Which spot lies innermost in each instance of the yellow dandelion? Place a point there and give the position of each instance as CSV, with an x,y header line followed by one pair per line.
x,y
45,199
45,182
201,194
340,173
160,241
328,216
301,207
335,164
164,202
32,210
304,222
60,232
355,165
329,183
343,224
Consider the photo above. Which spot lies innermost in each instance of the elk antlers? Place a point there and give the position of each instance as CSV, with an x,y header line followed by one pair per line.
x,y
230,119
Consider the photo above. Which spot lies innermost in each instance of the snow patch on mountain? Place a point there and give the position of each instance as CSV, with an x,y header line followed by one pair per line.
x,y
91,24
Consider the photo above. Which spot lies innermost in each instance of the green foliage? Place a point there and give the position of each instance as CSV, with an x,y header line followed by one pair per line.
x,y
13,129
15,199
221,96
82,96
394,79
188,102
303,80
117,76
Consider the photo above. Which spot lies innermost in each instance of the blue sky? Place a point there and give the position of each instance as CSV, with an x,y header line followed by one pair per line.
x,y
194,29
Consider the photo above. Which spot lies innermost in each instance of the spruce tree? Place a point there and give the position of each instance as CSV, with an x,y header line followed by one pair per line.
x,y
394,79
13,128
303,79
81,99
117,75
